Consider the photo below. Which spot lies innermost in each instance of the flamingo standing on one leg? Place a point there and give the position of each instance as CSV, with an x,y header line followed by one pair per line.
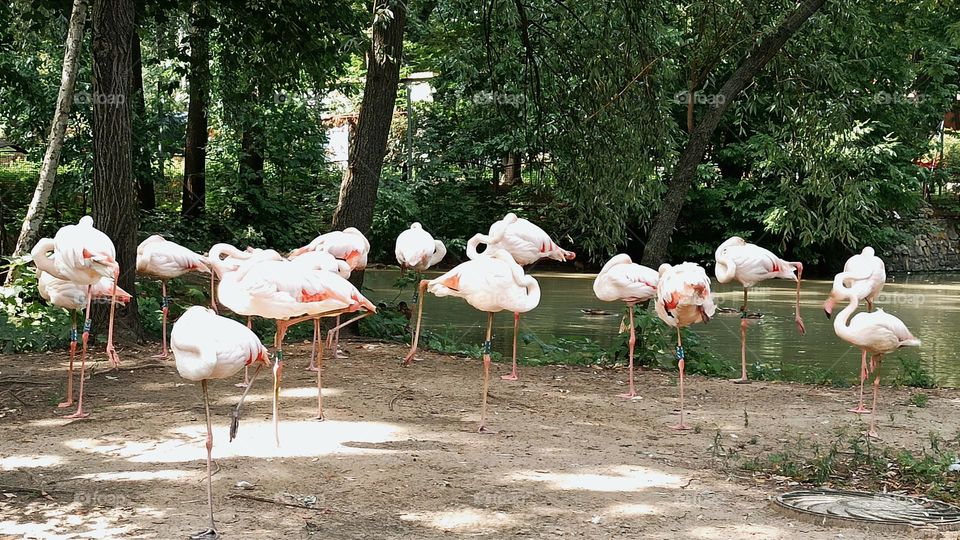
x,y
165,260
323,261
623,280
207,346
348,245
683,298
73,297
878,333
865,275
491,282
527,243
289,293
750,264
417,249
82,255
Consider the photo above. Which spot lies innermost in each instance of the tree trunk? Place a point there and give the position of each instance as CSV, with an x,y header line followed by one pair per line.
x,y
685,172
146,191
195,149
511,170
358,191
58,129
114,202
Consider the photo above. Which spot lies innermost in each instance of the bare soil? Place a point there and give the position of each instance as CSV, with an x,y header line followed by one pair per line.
x,y
398,455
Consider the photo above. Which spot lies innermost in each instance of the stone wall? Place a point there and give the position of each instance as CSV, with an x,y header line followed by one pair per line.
x,y
935,251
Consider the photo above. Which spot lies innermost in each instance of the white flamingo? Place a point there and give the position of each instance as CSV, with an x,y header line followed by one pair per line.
x,y
750,264
417,249
492,282
82,255
683,298
622,280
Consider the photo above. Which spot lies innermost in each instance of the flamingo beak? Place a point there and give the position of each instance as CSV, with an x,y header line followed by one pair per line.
x,y
353,259
297,252
452,282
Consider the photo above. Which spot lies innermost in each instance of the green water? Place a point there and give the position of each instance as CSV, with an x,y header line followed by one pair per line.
x,y
924,302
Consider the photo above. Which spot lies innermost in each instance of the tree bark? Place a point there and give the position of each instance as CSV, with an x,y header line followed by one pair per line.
x,y
685,172
195,149
368,146
146,191
114,202
58,129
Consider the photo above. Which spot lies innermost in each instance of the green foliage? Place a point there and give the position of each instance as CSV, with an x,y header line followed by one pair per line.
x,y
913,374
27,323
919,400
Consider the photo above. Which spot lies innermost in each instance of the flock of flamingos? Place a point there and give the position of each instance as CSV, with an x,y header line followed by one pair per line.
x,y
78,265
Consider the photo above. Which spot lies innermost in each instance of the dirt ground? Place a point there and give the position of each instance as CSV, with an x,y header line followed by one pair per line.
x,y
398,456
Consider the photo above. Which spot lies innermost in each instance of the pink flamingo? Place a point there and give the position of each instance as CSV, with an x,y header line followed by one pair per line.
x,y
207,346
165,260
417,249
73,297
683,298
623,280
289,293
527,243
865,275
878,333
322,261
750,264
82,255
492,282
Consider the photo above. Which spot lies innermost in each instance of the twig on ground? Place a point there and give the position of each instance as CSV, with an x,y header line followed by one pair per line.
x,y
272,501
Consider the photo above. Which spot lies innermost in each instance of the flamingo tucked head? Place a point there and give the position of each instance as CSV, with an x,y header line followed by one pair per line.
x,y
102,263
353,259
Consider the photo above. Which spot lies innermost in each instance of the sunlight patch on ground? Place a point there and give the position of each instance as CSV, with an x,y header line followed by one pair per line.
x,y
291,393
619,478
51,422
737,531
134,476
254,439
57,522
631,509
12,463
463,519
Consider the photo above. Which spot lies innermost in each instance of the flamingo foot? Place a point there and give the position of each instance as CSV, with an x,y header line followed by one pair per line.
x,y
113,357
209,534
311,367
407,361
483,430
341,355
860,409
872,434
742,380
511,377
65,404
242,384
680,427
78,415
163,356
319,417
628,395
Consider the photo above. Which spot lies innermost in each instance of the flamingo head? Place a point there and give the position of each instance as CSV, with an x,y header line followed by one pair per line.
x,y
829,304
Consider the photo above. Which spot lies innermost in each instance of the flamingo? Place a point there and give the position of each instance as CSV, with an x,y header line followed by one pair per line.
x,y
623,280
82,255
289,293
867,275
527,243
878,333
348,245
207,346
683,298
165,260
750,264
323,261
73,297
417,249
492,282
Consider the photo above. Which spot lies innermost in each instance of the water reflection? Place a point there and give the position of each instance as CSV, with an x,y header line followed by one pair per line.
x,y
924,302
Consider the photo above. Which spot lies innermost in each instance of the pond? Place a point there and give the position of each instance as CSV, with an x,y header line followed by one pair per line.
x,y
924,302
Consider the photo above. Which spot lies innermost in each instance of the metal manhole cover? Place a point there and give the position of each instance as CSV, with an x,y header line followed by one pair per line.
x,y
862,508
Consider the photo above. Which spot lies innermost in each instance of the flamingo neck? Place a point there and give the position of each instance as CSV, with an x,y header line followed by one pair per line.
x,y
42,259
840,325
726,269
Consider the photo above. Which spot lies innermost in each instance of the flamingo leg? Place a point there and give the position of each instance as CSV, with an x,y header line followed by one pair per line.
x,y
800,327
486,374
680,364
632,343
408,359
337,353
277,376
212,531
876,360
516,329
319,368
863,377
235,421
73,353
332,333
313,350
165,304
246,369
213,293
83,356
111,350
743,342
